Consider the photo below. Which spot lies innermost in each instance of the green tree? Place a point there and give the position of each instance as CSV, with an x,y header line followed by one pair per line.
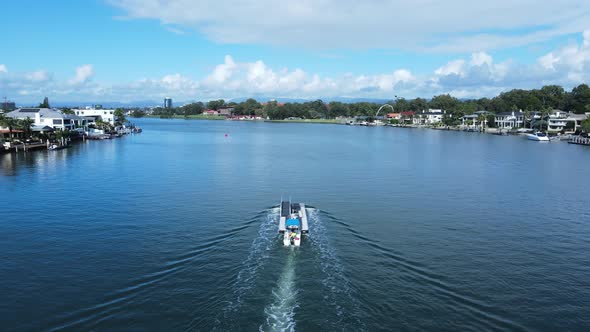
x,y
552,96
137,114
272,110
337,108
491,120
45,103
527,117
215,104
120,117
104,125
9,122
452,118
66,110
192,109
444,102
481,119
401,105
248,107
580,98
586,125
418,105
26,126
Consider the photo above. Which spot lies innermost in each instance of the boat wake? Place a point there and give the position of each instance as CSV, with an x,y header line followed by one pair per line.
x,y
337,288
280,313
259,253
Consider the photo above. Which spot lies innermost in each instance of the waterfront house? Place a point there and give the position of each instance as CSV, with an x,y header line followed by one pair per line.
x,y
96,114
225,111
471,120
49,117
560,121
407,117
6,133
210,112
509,120
393,116
433,116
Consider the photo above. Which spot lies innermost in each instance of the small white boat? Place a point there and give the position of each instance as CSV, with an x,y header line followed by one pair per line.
x,y
56,147
292,223
538,136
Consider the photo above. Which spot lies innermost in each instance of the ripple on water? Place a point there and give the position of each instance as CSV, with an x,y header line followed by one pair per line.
x,y
116,303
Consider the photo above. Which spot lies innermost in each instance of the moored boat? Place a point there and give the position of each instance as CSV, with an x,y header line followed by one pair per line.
x,y
56,147
538,136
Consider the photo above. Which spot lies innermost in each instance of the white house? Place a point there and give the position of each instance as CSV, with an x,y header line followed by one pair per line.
x,y
431,117
98,114
48,117
471,120
559,120
509,120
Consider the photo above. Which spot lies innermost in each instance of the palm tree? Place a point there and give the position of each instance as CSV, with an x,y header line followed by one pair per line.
x,y
527,116
481,119
26,125
103,125
9,122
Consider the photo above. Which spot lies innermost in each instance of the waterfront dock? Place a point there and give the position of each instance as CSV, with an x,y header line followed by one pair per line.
x,y
24,146
580,141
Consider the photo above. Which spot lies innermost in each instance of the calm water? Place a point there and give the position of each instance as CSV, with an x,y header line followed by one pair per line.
x,y
176,229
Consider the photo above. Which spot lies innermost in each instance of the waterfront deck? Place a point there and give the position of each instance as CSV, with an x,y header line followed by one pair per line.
x,y
24,146
580,141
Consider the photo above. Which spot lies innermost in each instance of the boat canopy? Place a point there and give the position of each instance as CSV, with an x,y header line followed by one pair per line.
x,y
292,222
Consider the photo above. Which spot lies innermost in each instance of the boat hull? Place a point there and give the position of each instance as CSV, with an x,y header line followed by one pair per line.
x,y
534,137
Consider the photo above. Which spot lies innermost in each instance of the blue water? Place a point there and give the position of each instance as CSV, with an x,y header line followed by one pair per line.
x,y
176,229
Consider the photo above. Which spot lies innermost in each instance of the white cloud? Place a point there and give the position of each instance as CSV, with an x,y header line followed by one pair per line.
x,y
38,76
223,71
476,75
481,58
83,74
572,60
454,67
174,30
3,68
454,25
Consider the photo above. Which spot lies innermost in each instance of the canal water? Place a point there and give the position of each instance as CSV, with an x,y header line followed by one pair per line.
x,y
176,229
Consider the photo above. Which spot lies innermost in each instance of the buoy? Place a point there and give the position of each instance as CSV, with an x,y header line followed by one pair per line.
x,y
226,135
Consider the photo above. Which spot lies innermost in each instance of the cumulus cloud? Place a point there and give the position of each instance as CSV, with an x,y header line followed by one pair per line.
x,y
83,74
473,76
255,78
3,68
454,25
38,76
572,60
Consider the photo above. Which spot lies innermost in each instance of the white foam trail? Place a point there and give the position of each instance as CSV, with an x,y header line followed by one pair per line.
x,y
337,286
280,314
260,250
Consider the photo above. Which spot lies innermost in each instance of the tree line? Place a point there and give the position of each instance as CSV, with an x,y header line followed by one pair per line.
x,y
548,97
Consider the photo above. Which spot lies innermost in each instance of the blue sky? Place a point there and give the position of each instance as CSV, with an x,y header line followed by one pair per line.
x,y
126,50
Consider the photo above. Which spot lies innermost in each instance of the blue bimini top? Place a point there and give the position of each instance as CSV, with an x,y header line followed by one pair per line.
x,y
292,222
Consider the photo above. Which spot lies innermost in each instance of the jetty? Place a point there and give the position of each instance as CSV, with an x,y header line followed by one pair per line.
x,y
22,146
580,140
